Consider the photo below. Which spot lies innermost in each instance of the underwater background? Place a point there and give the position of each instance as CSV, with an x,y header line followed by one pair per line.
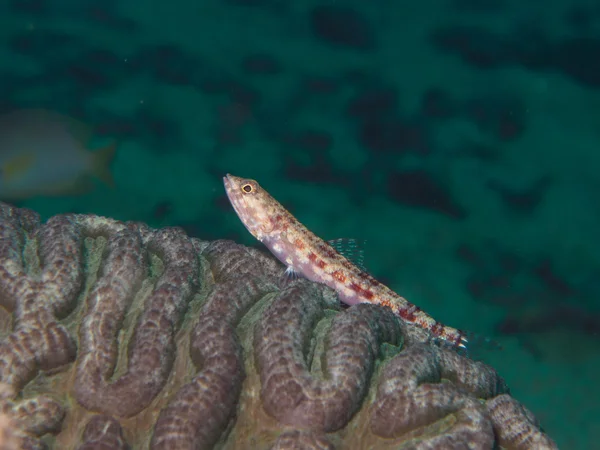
x,y
458,138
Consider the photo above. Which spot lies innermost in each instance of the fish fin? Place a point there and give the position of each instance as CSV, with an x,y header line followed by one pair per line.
x,y
291,273
101,160
14,167
80,186
351,249
79,130
481,342
289,276
473,345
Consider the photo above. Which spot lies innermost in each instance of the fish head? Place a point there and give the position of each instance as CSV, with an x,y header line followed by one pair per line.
x,y
258,211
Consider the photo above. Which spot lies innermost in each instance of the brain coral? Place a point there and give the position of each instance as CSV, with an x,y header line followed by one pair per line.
x,y
117,336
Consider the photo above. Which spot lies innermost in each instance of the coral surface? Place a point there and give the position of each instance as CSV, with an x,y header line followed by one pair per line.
x,y
118,336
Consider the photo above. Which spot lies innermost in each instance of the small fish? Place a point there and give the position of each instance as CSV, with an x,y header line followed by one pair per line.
x,y
304,253
45,153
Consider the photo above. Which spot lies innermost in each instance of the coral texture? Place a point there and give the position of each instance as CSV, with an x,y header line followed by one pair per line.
x,y
118,336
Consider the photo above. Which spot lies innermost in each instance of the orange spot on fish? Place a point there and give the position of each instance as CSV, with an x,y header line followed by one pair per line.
x,y
355,287
299,244
437,329
422,323
386,303
312,257
407,314
368,294
338,276
321,264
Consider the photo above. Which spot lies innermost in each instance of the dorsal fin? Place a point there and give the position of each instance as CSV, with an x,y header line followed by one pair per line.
x,y
351,249
79,130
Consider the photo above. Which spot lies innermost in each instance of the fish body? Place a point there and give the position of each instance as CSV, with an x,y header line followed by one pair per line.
x,y
44,153
305,253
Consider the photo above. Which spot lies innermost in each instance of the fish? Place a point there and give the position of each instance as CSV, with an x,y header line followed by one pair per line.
x,y
304,253
45,153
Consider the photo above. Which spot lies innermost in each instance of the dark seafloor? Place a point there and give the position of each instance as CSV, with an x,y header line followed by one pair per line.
x,y
457,137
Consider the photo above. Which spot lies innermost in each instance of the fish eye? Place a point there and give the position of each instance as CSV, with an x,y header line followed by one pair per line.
x,y
248,187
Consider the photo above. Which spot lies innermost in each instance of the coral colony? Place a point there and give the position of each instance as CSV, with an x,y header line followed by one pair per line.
x,y
116,335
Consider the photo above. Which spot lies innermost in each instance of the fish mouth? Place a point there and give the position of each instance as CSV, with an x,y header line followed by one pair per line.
x,y
237,200
231,182
231,189
228,183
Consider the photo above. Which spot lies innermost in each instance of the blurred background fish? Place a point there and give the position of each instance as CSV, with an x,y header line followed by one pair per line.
x,y
45,153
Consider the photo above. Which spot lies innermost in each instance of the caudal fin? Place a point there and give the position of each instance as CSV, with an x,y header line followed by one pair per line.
x,y
101,160
477,345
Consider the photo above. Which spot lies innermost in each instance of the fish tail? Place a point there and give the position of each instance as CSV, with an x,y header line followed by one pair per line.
x,y
101,160
475,345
